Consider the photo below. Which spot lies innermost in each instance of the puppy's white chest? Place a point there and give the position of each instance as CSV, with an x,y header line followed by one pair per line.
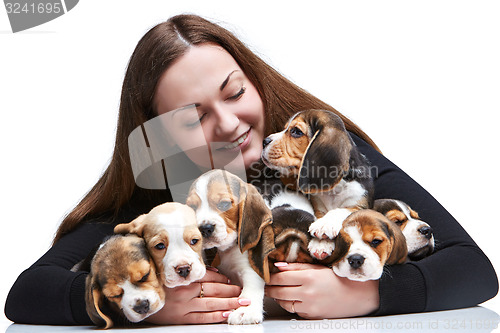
x,y
344,194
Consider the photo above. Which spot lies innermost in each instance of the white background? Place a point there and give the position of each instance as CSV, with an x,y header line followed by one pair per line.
x,y
422,78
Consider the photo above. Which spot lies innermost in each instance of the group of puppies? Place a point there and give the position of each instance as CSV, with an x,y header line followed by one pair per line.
x,y
320,211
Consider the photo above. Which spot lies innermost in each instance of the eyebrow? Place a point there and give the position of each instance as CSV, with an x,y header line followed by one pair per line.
x,y
225,82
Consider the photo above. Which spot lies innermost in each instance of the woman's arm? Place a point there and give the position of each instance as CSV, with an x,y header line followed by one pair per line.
x,y
458,274
48,292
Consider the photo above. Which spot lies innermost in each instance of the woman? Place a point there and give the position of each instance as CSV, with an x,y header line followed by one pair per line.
x,y
239,100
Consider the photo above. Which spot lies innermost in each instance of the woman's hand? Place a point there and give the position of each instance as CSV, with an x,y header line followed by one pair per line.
x,y
315,292
183,305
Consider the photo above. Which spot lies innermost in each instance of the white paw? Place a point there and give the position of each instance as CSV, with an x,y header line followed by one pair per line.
x,y
329,225
245,316
321,249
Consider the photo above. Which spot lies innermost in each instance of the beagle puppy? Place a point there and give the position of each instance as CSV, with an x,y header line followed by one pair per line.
x,y
122,282
366,243
316,155
418,234
292,215
173,240
233,217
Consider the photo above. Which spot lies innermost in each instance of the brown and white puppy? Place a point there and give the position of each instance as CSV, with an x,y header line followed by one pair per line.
x,y
233,217
418,234
173,240
292,216
317,156
122,282
366,243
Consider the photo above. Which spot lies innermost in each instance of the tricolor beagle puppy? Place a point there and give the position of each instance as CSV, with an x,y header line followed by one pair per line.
x,y
122,282
418,234
173,240
317,156
234,218
292,216
366,243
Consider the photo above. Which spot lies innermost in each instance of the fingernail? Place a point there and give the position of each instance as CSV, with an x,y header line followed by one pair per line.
x,y
226,314
228,281
244,301
280,264
213,269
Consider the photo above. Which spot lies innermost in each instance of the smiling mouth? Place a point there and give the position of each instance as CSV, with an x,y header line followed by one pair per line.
x,y
236,142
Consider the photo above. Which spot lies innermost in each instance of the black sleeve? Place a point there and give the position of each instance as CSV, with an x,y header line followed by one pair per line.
x,y
48,292
458,274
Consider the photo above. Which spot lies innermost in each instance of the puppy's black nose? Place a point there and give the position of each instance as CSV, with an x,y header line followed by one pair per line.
x,y
356,260
266,141
142,306
426,231
207,230
183,270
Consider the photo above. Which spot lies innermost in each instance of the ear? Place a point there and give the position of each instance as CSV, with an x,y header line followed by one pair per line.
x,y
93,299
255,233
399,249
325,161
134,227
342,245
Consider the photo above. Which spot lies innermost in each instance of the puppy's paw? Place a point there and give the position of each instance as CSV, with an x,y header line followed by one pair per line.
x,y
328,227
245,316
321,249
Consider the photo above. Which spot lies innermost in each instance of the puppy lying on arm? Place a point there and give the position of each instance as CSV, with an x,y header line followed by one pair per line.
x,y
122,284
233,217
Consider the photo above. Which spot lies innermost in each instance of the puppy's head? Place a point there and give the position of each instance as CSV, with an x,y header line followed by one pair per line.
x,y
122,278
367,242
229,212
174,241
314,147
290,226
418,234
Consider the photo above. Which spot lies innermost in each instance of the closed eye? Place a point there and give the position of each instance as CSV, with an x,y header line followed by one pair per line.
x,y
237,95
144,278
116,296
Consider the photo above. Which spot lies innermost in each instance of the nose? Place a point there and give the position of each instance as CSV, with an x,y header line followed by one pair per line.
x,y
356,261
266,142
183,270
426,232
226,121
206,230
141,306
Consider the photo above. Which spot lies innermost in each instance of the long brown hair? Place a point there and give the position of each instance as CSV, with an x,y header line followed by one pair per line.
x,y
154,53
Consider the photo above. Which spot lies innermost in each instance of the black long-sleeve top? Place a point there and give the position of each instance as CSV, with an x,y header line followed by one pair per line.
x,y
49,293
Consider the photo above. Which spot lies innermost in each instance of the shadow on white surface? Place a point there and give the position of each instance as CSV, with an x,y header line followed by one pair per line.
x,y
476,319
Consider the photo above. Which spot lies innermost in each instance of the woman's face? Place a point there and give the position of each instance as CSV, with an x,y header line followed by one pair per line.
x,y
226,113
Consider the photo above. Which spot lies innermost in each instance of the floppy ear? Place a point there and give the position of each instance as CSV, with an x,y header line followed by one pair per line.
x,y
93,299
255,233
399,249
342,245
134,227
326,160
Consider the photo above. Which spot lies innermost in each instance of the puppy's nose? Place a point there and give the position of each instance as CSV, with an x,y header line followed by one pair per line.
x,y
142,306
266,141
356,260
183,270
207,230
426,231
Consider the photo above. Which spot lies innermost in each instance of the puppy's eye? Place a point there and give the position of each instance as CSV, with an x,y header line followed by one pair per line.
x,y
224,205
194,241
116,296
295,132
145,277
160,246
399,222
375,242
